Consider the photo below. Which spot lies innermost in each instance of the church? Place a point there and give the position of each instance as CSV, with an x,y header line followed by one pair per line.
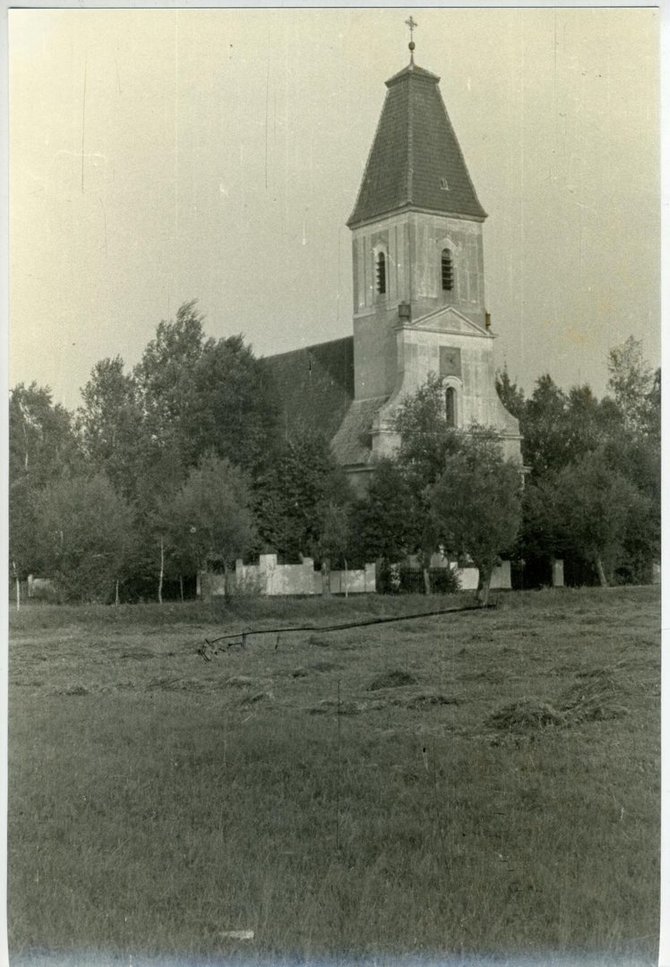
x,y
418,283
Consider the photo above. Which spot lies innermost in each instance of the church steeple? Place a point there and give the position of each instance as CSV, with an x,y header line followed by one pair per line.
x,y
415,161
418,277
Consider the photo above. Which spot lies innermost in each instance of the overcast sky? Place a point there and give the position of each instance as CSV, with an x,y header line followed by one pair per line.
x,y
161,156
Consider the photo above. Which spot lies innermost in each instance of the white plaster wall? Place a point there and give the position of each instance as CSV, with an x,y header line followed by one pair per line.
x,y
429,234
414,243
501,578
273,579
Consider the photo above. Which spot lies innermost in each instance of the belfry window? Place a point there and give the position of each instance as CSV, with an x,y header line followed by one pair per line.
x,y
450,404
447,271
381,273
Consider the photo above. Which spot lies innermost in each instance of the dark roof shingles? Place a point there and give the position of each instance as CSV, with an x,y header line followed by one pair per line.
x,y
314,385
414,148
352,444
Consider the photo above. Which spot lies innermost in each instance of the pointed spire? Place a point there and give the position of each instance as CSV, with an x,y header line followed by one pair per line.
x,y
415,161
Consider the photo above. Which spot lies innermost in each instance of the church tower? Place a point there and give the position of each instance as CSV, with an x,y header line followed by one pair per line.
x,y
418,273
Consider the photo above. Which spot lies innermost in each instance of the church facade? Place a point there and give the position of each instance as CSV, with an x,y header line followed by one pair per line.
x,y
418,284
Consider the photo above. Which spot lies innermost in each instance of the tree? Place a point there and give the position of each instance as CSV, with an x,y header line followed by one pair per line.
x,y
300,481
511,395
234,414
165,378
634,385
476,502
334,539
385,524
425,437
546,428
426,443
42,441
111,426
42,448
211,513
201,396
84,531
596,506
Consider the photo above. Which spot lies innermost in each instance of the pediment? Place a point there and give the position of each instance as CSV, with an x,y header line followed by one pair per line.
x,y
449,320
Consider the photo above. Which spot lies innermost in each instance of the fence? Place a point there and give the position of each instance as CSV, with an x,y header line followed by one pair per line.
x,y
273,579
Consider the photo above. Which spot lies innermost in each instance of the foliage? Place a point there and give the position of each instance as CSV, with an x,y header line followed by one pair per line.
x,y
42,441
84,533
335,533
465,492
235,414
426,442
425,437
298,485
203,396
475,504
385,521
210,518
165,378
635,386
511,395
42,448
618,437
595,505
110,422
593,511
546,428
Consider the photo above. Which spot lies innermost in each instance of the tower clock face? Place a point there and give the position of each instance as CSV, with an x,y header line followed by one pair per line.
x,y
450,361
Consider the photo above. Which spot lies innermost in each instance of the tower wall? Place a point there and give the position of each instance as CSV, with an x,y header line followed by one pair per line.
x,y
412,243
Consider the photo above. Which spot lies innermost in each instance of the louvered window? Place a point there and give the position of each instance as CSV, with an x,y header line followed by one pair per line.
x,y
381,273
447,270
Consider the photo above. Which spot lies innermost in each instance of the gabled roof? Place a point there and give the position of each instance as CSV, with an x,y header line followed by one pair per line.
x,y
449,319
314,386
414,154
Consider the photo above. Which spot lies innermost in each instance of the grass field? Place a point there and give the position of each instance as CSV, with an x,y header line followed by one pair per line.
x,y
485,781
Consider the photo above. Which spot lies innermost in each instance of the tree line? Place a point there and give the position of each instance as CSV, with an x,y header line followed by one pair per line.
x,y
179,464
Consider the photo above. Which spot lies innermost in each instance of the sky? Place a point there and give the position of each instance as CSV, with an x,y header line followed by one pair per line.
x,y
159,156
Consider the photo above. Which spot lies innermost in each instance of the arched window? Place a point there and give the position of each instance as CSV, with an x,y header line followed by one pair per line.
x,y
447,270
450,404
381,273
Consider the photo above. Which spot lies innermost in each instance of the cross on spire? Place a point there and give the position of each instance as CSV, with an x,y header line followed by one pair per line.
x,y
411,23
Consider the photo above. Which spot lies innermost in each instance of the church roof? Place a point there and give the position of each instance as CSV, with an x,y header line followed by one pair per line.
x,y
352,444
415,154
314,385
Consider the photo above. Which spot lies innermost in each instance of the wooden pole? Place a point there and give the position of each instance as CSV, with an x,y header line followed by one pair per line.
x,y
160,576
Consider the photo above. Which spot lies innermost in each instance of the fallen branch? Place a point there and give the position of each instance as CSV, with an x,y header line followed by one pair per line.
x,y
239,637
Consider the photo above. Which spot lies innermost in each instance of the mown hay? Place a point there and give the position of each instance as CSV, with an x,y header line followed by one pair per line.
x,y
72,690
526,715
594,697
165,684
427,699
393,678
330,705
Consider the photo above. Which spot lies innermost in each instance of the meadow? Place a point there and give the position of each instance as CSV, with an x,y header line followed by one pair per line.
x,y
487,781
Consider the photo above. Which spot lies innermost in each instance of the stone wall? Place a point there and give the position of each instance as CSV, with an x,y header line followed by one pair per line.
x,y
273,579
468,577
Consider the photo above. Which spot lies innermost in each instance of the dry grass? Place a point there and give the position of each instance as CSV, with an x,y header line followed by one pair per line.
x,y
158,800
